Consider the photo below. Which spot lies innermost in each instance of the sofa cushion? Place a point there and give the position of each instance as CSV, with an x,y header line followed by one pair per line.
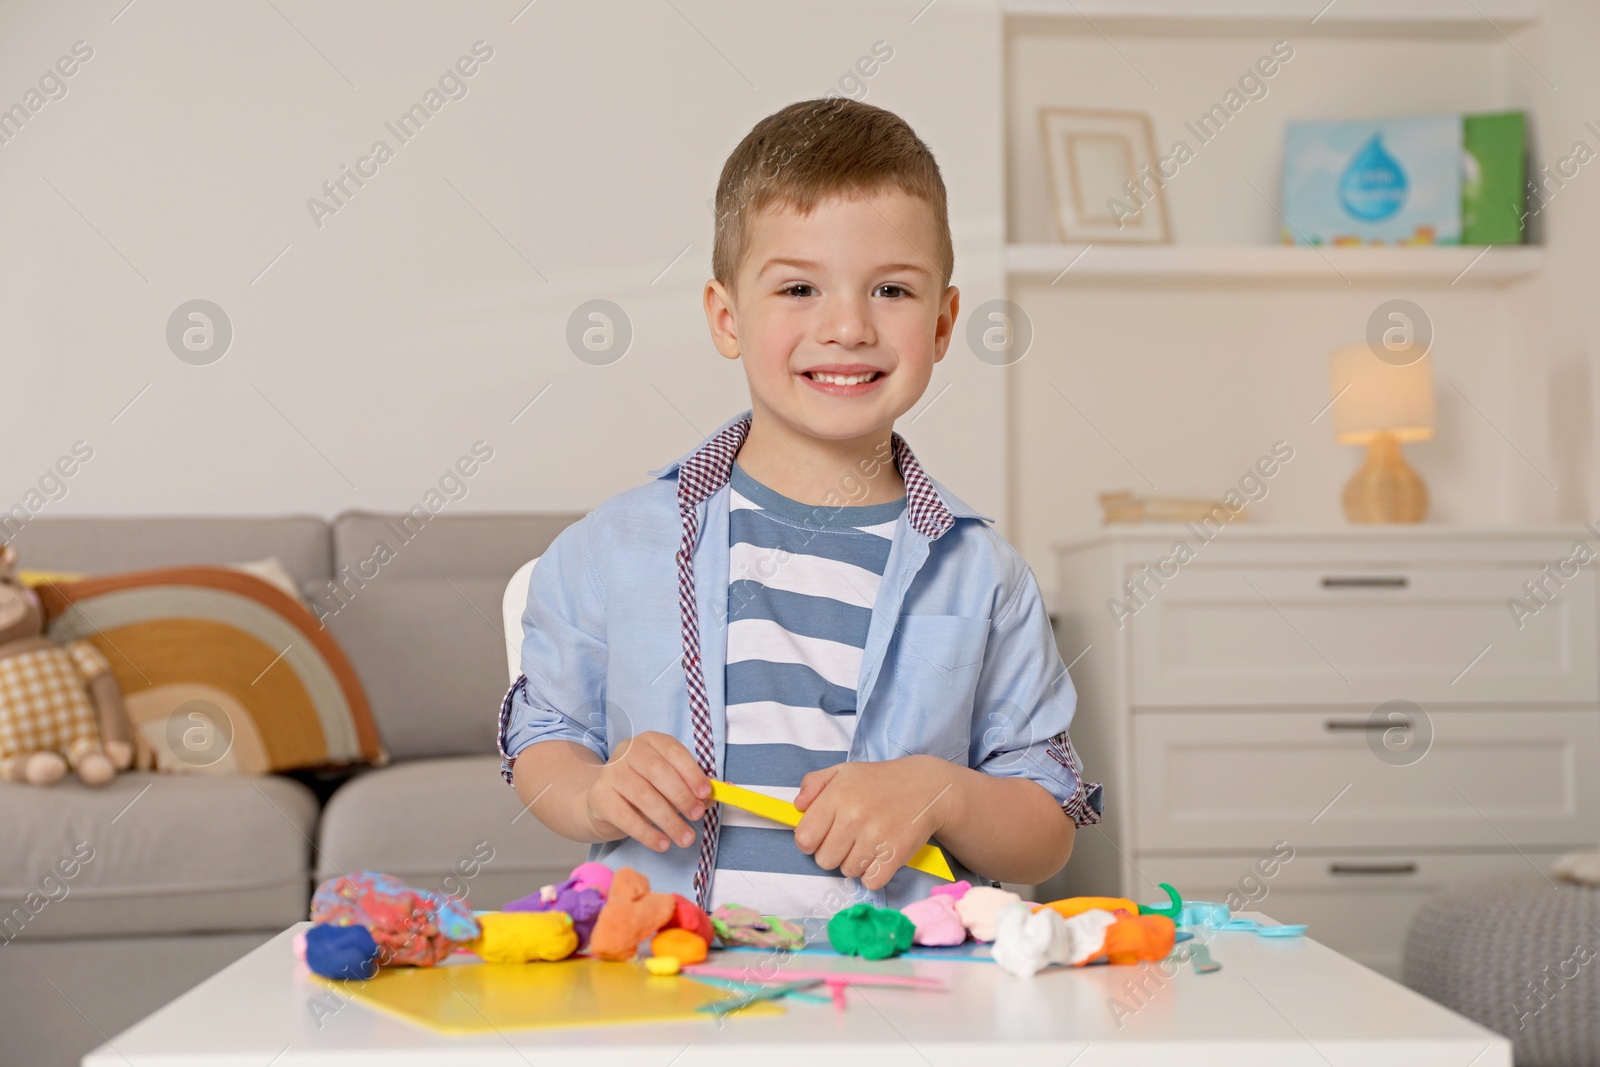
x,y
154,854
223,658
415,601
449,825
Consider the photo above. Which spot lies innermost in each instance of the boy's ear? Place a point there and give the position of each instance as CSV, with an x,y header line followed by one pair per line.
x,y
8,559
944,327
720,318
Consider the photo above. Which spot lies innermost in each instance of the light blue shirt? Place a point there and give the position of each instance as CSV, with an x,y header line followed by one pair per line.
x,y
960,659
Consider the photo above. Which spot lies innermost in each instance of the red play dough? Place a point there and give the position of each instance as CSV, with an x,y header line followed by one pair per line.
x,y
689,917
631,914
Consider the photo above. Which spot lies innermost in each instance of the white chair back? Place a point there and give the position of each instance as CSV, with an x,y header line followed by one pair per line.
x,y
511,608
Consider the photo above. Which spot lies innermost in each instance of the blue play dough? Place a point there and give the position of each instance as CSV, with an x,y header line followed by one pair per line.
x,y
346,952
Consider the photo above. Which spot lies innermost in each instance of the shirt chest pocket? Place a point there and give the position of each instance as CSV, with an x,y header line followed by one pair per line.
x,y
937,660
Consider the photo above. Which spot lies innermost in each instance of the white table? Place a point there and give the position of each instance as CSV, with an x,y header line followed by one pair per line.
x,y
1277,1002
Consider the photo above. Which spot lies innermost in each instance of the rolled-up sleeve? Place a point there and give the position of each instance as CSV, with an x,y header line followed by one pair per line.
x,y
559,695
1024,704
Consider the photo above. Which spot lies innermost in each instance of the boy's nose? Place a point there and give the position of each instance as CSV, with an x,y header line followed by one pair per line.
x,y
848,322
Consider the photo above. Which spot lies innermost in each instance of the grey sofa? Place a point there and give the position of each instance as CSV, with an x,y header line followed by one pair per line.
x,y
186,874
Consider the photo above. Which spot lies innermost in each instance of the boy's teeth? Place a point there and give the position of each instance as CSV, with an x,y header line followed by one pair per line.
x,y
842,379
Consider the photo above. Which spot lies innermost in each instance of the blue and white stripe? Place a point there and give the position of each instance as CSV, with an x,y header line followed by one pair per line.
x,y
801,585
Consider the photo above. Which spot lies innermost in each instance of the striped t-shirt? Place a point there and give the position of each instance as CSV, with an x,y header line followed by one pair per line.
x,y
802,580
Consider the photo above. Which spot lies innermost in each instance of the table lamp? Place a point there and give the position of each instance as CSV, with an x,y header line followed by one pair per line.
x,y
1382,405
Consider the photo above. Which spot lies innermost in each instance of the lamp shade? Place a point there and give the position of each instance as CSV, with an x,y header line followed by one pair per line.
x,y
1373,397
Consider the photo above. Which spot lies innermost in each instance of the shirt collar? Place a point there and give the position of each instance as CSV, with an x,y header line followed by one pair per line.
x,y
930,507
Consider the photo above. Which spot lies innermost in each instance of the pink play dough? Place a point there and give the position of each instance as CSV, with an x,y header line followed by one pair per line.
x,y
936,921
593,876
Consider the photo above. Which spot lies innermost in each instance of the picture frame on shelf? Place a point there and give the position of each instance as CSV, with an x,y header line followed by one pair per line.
x,y
1103,176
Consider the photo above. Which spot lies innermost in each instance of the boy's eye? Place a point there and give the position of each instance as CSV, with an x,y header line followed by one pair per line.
x,y
900,290
789,290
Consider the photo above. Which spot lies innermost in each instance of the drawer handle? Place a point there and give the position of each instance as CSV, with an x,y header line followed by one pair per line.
x,y
1368,724
1374,581
1372,868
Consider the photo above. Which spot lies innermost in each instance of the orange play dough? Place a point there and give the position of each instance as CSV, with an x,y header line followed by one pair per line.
x,y
1142,937
684,946
631,914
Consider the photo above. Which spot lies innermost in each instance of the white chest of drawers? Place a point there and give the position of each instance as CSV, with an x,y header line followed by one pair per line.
x,y
1372,699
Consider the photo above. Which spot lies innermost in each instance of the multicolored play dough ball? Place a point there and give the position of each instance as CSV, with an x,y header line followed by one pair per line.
x,y
736,924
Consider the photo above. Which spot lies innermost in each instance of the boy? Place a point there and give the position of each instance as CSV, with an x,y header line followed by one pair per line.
x,y
795,606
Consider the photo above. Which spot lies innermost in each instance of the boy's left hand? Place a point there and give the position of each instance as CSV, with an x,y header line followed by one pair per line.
x,y
868,819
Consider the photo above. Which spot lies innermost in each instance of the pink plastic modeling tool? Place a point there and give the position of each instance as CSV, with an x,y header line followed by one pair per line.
x,y
901,981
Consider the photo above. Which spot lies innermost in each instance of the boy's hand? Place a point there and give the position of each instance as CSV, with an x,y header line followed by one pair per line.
x,y
643,788
867,819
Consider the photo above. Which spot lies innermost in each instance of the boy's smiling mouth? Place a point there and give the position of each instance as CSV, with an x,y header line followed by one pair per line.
x,y
844,379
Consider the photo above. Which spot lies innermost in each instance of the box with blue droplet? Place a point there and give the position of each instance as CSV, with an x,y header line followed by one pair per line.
x,y
1394,181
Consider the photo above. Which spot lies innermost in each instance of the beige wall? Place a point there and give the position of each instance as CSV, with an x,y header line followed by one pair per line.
x,y
427,312
370,353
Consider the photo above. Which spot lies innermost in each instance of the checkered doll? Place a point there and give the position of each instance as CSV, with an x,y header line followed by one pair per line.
x,y
59,705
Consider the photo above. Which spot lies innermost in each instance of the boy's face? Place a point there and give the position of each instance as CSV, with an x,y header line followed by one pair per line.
x,y
850,287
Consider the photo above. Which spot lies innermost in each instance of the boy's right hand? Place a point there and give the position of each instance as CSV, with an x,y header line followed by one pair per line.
x,y
643,789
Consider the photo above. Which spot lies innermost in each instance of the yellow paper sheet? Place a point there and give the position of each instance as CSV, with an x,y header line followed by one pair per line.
x,y
479,998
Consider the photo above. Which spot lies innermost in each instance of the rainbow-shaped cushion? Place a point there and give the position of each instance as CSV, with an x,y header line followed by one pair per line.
x,y
221,671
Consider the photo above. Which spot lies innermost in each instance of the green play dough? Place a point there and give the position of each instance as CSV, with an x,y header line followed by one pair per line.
x,y
870,932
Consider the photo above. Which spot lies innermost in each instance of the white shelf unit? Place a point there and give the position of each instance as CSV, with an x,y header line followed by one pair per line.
x,y
1226,294
1237,702
1481,21
1489,266
1153,738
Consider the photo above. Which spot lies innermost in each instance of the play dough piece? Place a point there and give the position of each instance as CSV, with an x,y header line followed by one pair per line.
x,y
1027,941
682,945
736,924
978,908
1078,905
592,876
1173,909
955,890
871,932
524,936
411,926
1139,938
341,952
1086,935
936,920
583,904
689,917
662,965
631,914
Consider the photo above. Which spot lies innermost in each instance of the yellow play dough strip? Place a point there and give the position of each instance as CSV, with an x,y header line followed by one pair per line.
x,y
928,858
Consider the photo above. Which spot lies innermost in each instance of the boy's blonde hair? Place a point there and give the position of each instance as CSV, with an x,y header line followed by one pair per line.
x,y
815,149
